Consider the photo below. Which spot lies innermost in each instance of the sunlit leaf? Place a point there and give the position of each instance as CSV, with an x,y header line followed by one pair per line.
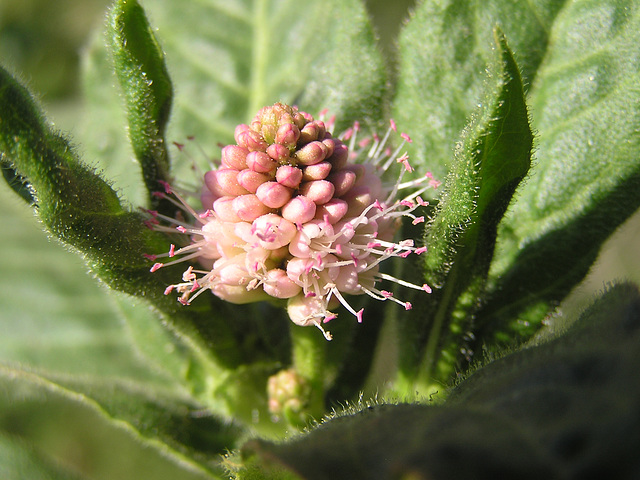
x,y
228,59
585,105
493,156
444,50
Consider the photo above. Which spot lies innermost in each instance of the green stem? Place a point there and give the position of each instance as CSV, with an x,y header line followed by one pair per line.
x,y
417,374
309,349
426,382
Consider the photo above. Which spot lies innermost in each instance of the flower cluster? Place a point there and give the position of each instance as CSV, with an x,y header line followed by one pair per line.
x,y
289,214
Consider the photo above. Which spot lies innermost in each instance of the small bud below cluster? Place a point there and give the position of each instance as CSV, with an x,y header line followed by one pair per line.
x,y
288,394
294,213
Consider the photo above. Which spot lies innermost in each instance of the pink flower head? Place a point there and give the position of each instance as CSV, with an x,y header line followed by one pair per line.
x,y
295,213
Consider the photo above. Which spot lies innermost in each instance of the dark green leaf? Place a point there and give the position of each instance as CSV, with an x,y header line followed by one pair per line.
x,y
585,106
144,80
74,203
564,409
406,441
492,158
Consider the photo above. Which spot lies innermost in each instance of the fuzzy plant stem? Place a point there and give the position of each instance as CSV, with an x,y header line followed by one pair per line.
x,y
308,354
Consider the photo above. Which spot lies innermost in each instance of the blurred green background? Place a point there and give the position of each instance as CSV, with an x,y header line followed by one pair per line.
x,y
42,40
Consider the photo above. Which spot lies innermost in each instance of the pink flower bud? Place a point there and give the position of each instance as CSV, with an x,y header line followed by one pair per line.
x,y
260,162
347,232
238,294
273,194
311,153
272,231
232,273
234,156
319,171
329,270
225,210
279,285
310,132
358,169
256,258
240,129
348,280
294,219
300,245
298,267
343,180
249,207
330,143
300,119
340,156
287,135
289,176
305,311
278,152
251,180
251,140
318,191
299,209
224,182
358,198
322,129
221,238
332,211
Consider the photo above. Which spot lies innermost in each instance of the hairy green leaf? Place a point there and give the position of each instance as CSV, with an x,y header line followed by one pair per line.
x,y
563,409
70,338
405,441
492,158
585,105
170,424
444,50
144,80
81,209
74,203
